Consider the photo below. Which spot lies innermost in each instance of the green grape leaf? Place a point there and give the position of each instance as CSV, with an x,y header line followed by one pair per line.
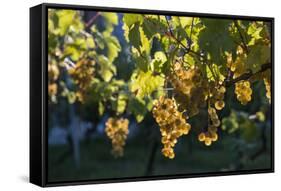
x,y
113,48
158,61
142,63
111,18
101,108
73,52
145,42
135,37
175,22
90,42
185,21
107,70
65,20
254,32
130,19
189,59
152,26
215,39
149,28
119,104
138,108
144,83
259,55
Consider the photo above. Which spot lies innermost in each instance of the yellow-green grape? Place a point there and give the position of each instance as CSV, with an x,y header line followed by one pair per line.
x,y
171,122
211,135
243,91
117,129
238,67
267,83
168,152
213,116
201,137
82,75
208,141
208,137
214,136
216,95
219,105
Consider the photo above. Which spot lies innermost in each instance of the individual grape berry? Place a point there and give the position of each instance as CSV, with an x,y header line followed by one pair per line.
x,y
208,141
219,105
201,137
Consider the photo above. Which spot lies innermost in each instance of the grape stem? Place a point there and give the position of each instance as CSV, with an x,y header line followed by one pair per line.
x,y
188,49
92,20
241,36
247,75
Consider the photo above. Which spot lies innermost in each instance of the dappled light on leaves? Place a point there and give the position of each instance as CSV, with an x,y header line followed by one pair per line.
x,y
178,70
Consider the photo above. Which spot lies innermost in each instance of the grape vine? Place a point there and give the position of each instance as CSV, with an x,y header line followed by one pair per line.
x,y
184,65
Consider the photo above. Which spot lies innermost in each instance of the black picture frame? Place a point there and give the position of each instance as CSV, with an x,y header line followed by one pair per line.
x,y
39,103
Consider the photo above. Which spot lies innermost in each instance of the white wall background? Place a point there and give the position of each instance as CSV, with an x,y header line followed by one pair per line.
x,y
14,96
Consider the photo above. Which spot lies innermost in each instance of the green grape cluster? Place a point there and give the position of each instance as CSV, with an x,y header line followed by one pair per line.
x,y
172,124
117,129
211,134
82,75
190,88
267,83
243,91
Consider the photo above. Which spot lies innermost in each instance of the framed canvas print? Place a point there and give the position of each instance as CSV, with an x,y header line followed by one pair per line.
x,y
126,95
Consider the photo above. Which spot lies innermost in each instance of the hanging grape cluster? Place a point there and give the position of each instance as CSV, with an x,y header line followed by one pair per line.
x,y
238,66
82,75
213,123
190,88
243,91
243,88
171,122
216,95
267,83
53,75
117,129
